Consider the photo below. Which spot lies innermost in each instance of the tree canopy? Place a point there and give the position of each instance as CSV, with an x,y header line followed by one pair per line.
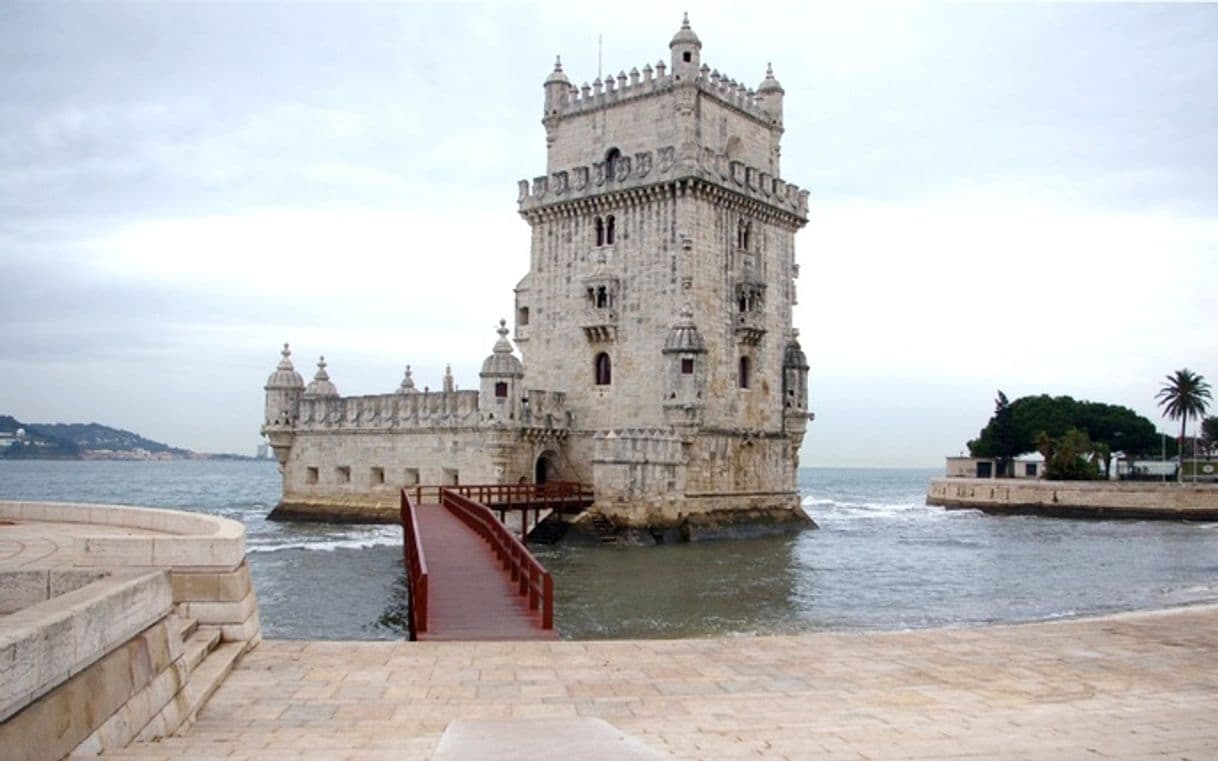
x,y
1117,428
1184,394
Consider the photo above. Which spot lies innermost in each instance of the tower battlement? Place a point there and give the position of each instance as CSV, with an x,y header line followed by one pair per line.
x,y
640,83
647,168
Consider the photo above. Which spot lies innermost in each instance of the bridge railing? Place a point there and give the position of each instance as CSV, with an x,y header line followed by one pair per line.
x,y
531,578
560,496
416,567
562,493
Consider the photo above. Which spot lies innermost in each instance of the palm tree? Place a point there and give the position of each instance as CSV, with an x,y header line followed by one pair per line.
x,y
1185,394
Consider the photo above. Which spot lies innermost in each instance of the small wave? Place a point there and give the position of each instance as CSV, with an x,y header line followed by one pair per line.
x,y
862,507
328,544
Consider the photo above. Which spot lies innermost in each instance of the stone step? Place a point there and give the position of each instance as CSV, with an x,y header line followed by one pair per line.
x,y
206,678
198,645
187,626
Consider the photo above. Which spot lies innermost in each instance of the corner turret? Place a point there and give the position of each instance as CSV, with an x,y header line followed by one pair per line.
x,y
557,88
686,52
283,390
770,94
502,373
685,374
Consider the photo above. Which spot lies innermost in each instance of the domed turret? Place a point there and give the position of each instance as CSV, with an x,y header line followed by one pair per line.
x,y
502,375
321,385
686,52
794,376
282,406
502,362
685,356
557,87
684,336
285,375
407,386
770,93
283,389
794,356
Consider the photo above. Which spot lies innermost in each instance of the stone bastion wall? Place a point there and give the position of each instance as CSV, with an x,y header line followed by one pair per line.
x,y
116,624
1078,499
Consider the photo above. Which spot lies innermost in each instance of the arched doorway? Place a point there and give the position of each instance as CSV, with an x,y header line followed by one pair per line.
x,y
546,468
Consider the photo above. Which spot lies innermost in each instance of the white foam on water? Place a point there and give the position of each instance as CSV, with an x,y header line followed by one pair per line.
x,y
386,536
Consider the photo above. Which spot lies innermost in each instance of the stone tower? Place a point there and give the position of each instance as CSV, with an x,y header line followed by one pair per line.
x,y
660,286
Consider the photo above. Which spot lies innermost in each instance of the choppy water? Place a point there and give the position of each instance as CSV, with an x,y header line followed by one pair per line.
x,y
881,560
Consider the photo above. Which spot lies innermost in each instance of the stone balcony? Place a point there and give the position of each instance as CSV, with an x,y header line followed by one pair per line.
x,y
599,324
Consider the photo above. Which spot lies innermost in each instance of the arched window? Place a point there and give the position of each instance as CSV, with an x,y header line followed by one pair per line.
x,y
742,378
604,369
742,235
600,231
602,298
611,157
610,232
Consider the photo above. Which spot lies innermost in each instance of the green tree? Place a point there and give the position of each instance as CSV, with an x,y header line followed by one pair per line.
x,y
1005,441
1069,457
1209,434
1184,394
1120,428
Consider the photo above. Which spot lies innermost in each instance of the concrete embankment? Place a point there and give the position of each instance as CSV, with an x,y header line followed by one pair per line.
x,y
1078,499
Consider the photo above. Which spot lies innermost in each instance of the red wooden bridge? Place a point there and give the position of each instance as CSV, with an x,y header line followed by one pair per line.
x,y
471,577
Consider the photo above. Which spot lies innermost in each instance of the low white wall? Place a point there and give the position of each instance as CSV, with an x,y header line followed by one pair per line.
x,y
1105,499
196,539
42,645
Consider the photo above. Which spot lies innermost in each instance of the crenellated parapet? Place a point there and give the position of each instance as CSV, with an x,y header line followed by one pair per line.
x,y
649,168
764,105
420,410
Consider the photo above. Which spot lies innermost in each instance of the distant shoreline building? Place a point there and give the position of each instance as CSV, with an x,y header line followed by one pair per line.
x,y
658,359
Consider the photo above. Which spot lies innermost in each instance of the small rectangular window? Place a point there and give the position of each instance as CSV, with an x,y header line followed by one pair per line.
x,y
311,475
344,474
411,477
1029,470
378,476
450,477
501,389
687,366
522,316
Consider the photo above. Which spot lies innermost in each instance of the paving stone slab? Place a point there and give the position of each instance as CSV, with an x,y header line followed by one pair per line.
x,y
540,740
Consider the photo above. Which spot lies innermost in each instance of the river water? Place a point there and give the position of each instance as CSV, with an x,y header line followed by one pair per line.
x,y
882,560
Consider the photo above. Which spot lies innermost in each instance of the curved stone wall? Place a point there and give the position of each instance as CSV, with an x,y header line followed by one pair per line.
x,y
1078,499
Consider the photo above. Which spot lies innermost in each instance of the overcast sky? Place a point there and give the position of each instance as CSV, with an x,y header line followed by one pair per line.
x,y
1015,197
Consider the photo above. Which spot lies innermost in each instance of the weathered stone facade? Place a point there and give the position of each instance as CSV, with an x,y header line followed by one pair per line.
x,y
659,360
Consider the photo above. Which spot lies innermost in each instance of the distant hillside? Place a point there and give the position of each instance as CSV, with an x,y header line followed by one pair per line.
x,y
85,441
92,436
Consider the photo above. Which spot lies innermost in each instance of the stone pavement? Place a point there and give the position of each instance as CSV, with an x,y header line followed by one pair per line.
x,y
38,544
1133,686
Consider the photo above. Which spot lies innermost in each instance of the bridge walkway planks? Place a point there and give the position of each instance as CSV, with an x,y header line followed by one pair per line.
x,y
471,596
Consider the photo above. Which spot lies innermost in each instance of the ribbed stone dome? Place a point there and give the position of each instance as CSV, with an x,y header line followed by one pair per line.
x,y
794,356
769,84
557,75
684,336
285,375
321,385
685,35
502,363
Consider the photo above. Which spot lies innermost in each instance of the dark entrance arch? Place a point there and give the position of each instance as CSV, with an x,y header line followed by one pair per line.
x,y
546,468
